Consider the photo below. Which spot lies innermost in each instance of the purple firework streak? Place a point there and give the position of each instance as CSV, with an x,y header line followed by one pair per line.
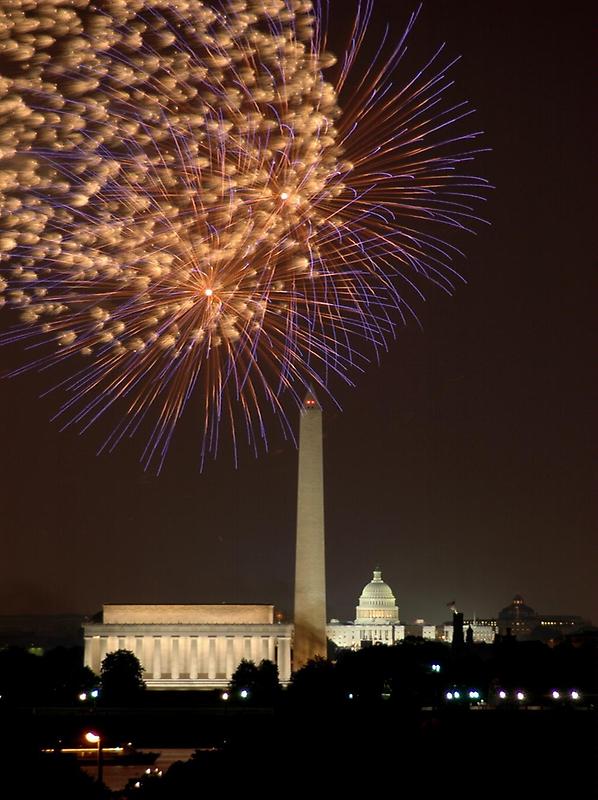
x,y
198,217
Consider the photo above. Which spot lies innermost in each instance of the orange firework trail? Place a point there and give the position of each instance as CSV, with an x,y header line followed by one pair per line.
x,y
184,204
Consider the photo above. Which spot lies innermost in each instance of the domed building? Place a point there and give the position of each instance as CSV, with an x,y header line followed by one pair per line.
x,y
376,618
526,623
377,604
518,617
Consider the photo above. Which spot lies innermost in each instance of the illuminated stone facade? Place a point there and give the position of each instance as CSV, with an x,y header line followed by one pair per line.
x,y
376,618
190,646
183,614
377,603
356,636
310,559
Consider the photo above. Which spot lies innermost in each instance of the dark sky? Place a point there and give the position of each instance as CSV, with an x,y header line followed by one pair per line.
x,y
462,464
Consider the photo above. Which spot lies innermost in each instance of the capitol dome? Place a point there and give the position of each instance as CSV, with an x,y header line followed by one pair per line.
x,y
377,602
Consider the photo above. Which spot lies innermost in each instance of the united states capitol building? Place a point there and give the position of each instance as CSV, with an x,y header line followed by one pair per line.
x,y
376,619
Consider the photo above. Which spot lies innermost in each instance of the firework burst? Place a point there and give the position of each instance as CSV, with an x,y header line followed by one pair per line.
x,y
184,205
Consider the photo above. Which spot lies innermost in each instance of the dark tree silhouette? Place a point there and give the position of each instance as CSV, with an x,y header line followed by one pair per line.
x,y
65,676
261,682
21,676
244,678
268,685
316,682
469,636
121,677
56,677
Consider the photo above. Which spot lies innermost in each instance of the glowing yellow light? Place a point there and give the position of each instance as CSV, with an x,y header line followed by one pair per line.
x,y
208,292
284,195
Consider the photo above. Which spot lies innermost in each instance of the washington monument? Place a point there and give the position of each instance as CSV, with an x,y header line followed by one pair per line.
x,y
310,562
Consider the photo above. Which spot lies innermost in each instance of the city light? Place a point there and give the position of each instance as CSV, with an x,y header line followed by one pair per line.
x,y
435,667
224,696
574,695
474,695
556,695
93,695
449,695
520,696
95,738
244,694
502,694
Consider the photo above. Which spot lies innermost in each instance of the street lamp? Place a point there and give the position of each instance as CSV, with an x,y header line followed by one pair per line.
x,y
95,738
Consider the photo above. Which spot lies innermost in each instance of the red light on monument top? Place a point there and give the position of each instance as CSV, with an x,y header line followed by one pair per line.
x,y
310,401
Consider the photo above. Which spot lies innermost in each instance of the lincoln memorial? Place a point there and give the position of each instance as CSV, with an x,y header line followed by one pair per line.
x,y
190,646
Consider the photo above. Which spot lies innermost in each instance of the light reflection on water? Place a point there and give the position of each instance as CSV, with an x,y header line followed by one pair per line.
x,y
117,775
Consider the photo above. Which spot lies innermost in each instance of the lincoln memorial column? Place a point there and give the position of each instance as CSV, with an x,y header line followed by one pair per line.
x,y
230,657
211,658
193,642
284,658
138,650
174,665
157,658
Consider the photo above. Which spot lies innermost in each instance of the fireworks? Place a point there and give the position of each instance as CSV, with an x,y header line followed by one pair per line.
x,y
189,217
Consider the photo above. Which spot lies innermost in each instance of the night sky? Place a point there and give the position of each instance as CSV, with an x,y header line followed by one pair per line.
x,y
461,464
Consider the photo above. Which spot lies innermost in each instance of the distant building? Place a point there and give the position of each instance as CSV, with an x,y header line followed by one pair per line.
x,y
421,629
525,623
377,604
484,630
520,618
521,621
376,618
190,646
